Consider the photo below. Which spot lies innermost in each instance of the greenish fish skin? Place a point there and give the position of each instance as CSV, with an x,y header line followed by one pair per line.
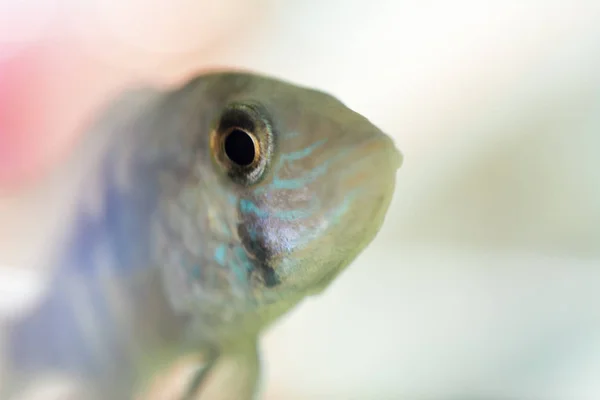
x,y
188,253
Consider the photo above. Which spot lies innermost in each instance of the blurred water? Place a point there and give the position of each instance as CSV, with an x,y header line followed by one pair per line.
x,y
485,277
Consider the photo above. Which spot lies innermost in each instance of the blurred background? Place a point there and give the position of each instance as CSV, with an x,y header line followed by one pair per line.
x,y
484,282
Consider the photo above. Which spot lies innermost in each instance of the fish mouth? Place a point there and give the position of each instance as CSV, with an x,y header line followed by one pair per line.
x,y
383,147
376,162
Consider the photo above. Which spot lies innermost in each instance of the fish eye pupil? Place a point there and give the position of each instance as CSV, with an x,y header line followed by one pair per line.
x,y
240,147
241,143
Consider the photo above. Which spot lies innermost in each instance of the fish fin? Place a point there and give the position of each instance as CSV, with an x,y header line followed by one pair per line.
x,y
234,375
229,375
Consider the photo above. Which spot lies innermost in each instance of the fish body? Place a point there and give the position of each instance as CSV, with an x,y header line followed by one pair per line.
x,y
215,208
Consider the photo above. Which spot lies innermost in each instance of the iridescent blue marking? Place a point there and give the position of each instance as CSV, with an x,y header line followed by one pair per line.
x,y
232,199
220,254
334,216
310,176
252,233
241,264
297,183
303,153
342,209
197,272
225,228
249,207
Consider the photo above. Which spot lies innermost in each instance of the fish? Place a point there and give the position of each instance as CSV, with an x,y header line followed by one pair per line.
x,y
212,209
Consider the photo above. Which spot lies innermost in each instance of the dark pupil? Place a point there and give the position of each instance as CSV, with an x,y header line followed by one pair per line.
x,y
239,147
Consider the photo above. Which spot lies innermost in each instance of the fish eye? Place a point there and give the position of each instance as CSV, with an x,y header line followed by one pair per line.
x,y
242,141
241,147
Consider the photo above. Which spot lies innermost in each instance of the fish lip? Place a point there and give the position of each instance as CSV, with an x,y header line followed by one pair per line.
x,y
384,146
399,158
